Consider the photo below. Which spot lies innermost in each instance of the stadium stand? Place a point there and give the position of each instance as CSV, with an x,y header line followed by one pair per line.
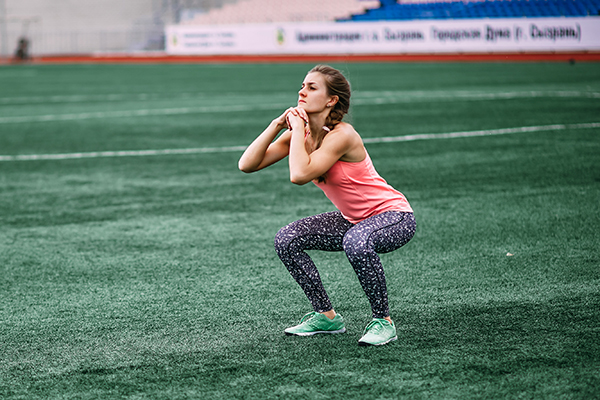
x,y
261,11
391,10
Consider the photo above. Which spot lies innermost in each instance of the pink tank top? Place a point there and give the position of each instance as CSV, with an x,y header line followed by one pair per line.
x,y
357,190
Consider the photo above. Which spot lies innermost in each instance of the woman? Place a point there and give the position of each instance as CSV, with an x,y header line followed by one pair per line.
x,y
372,216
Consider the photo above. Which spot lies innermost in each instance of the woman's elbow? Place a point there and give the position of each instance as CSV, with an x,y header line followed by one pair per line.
x,y
299,180
244,167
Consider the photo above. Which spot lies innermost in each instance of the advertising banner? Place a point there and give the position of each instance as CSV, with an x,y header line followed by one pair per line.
x,y
385,37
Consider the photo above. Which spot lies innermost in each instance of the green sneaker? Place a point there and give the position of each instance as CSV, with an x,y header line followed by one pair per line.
x,y
314,322
379,331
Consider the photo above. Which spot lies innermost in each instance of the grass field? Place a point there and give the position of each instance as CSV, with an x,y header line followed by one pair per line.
x,y
153,276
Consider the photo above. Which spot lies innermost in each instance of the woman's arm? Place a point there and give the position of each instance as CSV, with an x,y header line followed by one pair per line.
x,y
263,152
305,167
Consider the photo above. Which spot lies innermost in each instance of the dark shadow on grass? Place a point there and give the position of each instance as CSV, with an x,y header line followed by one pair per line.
x,y
519,337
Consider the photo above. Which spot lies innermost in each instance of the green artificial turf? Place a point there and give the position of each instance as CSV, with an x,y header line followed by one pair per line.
x,y
155,277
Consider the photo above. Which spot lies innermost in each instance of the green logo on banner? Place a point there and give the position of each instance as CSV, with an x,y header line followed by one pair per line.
x,y
280,36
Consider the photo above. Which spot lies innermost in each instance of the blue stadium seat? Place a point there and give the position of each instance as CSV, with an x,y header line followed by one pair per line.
x,y
391,10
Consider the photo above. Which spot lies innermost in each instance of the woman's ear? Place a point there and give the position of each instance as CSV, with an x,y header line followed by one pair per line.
x,y
333,101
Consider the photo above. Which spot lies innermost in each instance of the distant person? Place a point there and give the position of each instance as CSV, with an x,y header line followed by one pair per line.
x,y
372,216
22,53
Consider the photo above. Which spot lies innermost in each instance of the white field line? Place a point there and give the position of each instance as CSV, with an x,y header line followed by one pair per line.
x,y
226,149
505,131
137,113
123,153
361,99
77,98
406,95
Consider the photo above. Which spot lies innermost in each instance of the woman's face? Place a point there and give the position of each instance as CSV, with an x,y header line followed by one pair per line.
x,y
313,96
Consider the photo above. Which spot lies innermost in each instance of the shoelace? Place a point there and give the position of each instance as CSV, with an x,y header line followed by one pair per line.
x,y
308,316
374,325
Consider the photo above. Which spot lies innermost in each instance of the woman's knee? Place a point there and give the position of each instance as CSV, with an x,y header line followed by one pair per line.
x,y
282,240
356,247
285,239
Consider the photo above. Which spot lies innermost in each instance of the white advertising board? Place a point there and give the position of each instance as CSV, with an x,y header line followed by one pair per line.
x,y
385,37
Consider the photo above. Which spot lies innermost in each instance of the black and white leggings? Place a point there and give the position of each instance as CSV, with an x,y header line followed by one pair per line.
x,y
330,231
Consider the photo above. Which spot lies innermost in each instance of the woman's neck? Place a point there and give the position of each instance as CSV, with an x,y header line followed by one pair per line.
x,y
316,123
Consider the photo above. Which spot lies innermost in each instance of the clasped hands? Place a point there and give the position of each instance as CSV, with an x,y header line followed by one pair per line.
x,y
296,117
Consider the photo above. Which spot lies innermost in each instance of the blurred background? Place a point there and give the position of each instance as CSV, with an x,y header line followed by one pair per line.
x,y
87,26
64,27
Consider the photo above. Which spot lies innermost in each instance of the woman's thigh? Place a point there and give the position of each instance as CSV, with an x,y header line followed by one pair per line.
x,y
319,232
382,233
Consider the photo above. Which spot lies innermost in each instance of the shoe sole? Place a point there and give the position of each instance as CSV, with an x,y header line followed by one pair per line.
x,y
377,344
315,332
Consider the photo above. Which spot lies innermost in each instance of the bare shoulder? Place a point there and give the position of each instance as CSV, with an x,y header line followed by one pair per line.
x,y
346,128
344,132
349,141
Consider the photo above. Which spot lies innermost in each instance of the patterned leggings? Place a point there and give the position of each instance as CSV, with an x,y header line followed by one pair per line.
x,y
330,231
